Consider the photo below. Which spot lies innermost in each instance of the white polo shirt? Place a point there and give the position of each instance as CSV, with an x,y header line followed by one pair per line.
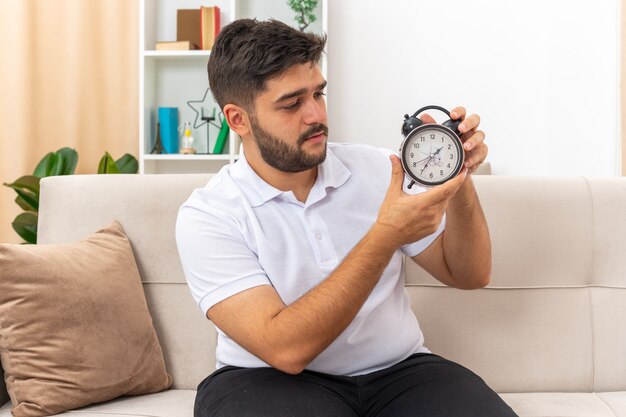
x,y
239,232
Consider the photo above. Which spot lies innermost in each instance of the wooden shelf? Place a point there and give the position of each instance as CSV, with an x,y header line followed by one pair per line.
x,y
176,54
191,157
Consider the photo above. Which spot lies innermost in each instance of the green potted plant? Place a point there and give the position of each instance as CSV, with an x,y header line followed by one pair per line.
x,y
305,9
61,162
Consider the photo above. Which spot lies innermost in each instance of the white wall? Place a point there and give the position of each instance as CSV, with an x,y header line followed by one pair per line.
x,y
543,75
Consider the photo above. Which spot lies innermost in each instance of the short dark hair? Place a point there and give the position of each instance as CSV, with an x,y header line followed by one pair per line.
x,y
247,53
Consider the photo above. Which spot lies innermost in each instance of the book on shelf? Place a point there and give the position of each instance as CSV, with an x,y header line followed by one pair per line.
x,y
209,26
176,46
221,138
188,26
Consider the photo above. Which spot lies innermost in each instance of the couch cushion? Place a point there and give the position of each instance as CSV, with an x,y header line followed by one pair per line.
x,y
615,400
74,327
517,340
532,235
171,403
561,404
179,403
609,274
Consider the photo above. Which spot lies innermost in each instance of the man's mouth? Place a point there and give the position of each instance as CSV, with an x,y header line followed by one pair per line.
x,y
316,135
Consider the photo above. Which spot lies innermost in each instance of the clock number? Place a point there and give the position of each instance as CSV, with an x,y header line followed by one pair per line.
x,y
423,138
451,156
449,166
441,173
414,164
432,136
431,175
449,146
416,145
412,155
442,140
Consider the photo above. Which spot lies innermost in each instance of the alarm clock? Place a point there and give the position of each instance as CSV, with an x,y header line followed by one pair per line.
x,y
431,154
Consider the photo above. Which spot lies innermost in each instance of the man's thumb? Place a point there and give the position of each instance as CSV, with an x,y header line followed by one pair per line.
x,y
397,173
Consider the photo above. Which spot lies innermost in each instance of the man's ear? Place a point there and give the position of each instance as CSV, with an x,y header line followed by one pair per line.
x,y
237,119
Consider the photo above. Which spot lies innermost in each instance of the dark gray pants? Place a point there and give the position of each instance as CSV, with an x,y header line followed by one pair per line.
x,y
424,385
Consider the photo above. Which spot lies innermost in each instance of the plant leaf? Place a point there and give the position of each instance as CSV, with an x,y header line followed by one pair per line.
x,y
27,189
69,160
25,225
107,165
23,204
56,165
42,167
27,182
29,198
127,164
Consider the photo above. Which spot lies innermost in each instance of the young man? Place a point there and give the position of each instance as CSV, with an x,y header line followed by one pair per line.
x,y
295,251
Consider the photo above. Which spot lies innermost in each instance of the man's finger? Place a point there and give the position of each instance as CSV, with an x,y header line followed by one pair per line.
x,y
457,113
476,157
447,190
469,123
475,140
427,118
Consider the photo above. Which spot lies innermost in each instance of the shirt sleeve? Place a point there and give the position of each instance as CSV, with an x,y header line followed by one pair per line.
x,y
416,248
216,260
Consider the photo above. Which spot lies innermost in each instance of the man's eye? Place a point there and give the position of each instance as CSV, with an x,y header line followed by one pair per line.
x,y
319,94
292,106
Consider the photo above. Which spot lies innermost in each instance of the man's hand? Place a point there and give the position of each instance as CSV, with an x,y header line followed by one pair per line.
x,y
461,256
472,138
409,218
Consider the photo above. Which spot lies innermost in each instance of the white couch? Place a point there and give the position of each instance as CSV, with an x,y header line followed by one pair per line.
x,y
548,333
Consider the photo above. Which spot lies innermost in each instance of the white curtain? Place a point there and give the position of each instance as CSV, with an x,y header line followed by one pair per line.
x,y
68,77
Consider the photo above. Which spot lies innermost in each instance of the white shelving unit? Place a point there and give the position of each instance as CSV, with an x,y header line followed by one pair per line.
x,y
172,78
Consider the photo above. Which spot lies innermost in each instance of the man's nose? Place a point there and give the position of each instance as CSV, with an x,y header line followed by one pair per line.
x,y
315,112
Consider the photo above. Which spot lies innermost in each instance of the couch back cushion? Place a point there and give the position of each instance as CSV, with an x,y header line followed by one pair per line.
x,y
552,318
72,207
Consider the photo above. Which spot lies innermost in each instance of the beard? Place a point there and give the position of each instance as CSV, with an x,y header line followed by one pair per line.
x,y
285,157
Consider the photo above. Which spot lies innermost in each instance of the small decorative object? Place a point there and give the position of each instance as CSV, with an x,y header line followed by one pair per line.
x,y
431,154
305,9
158,146
186,146
168,118
198,107
208,119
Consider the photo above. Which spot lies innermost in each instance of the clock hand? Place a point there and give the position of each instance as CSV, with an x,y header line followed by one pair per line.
x,y
425,165
428,157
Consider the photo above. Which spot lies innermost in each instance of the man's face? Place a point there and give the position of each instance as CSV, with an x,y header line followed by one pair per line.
x,y
289,123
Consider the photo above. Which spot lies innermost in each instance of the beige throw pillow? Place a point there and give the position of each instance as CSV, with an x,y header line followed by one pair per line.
x,y
74,325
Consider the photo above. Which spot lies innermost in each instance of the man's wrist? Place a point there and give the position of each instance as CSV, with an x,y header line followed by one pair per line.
x,y
385,237
465,197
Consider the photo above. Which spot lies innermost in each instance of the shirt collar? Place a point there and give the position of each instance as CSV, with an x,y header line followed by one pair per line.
x,y
331,173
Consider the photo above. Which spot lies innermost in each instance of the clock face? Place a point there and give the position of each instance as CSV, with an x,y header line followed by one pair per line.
x,y
432,154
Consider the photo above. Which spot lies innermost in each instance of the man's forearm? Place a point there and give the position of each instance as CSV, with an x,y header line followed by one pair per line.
x,y
466,244
314,321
